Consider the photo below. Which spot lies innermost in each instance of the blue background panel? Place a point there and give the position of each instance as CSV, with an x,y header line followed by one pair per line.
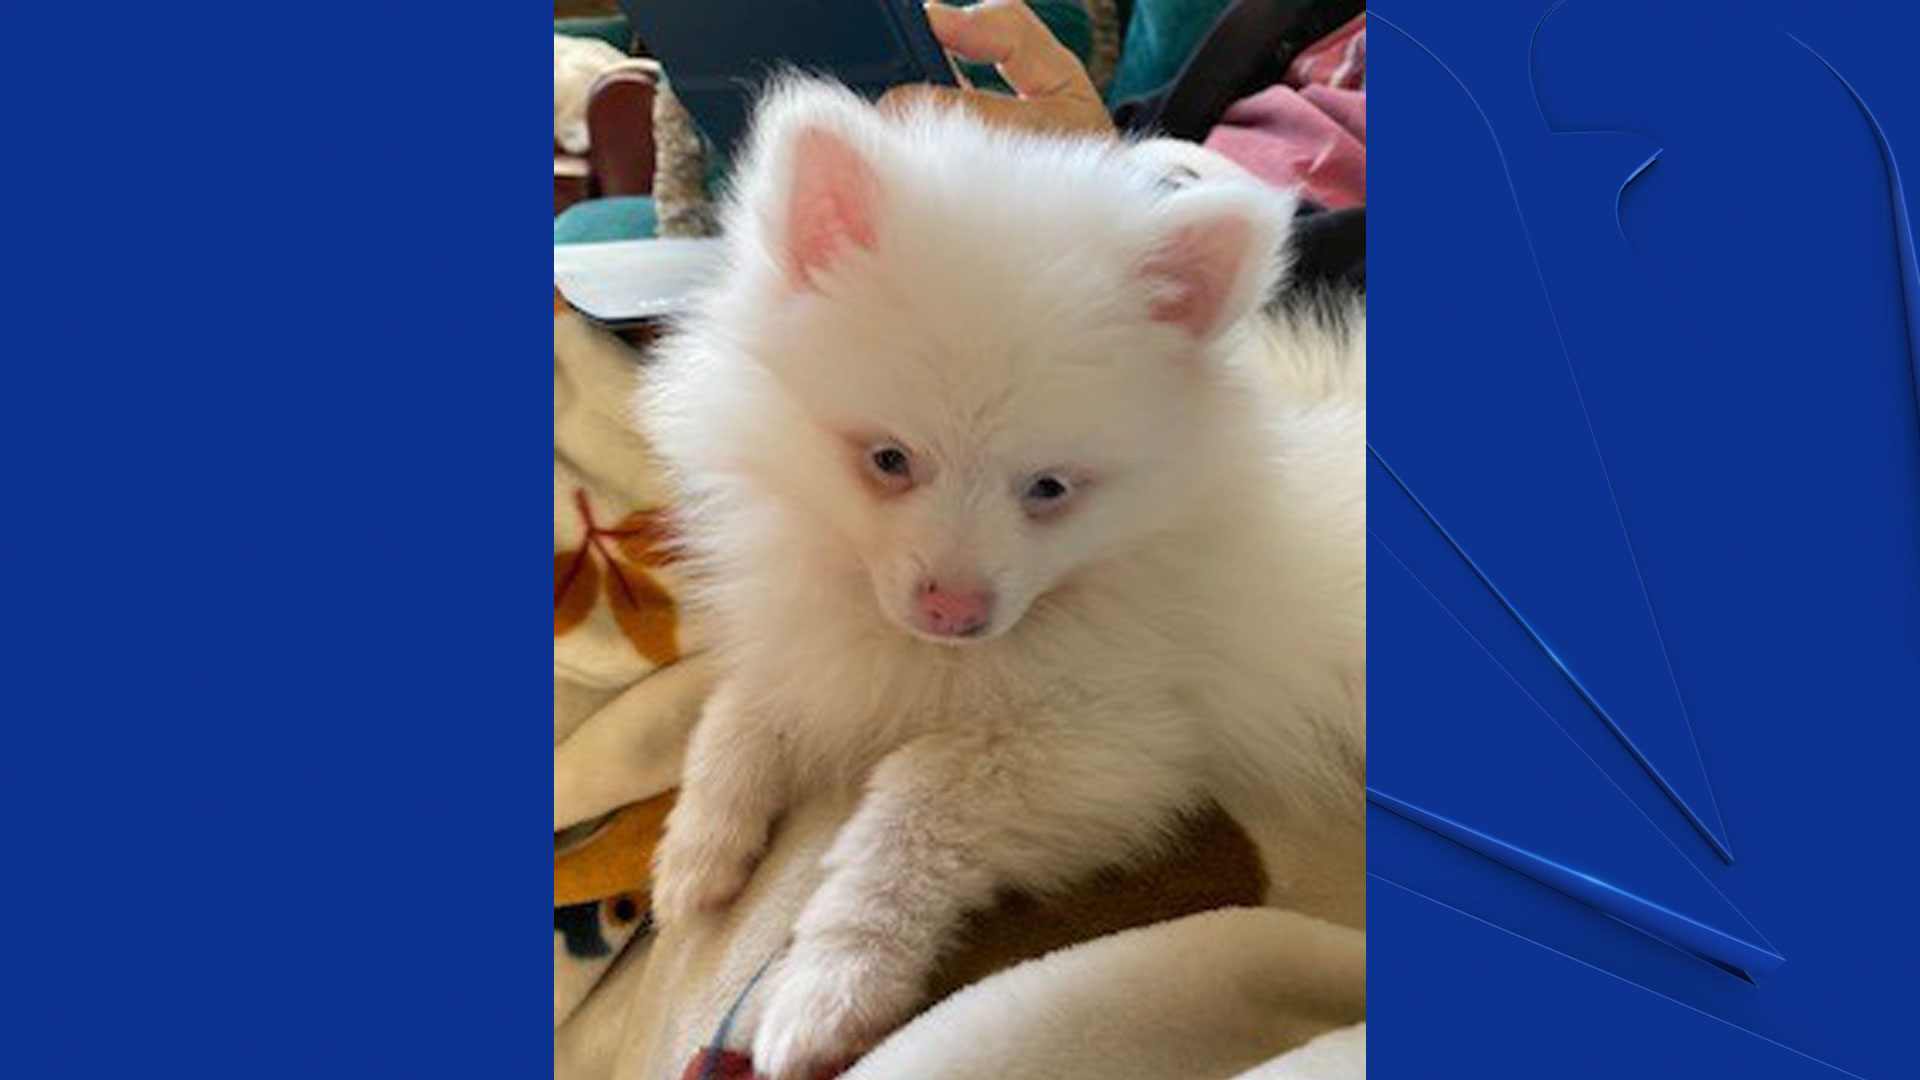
x,y
1645,502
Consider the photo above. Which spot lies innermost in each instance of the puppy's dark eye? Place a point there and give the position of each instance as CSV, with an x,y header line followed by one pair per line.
x,y
1047,495
1046,489
889,469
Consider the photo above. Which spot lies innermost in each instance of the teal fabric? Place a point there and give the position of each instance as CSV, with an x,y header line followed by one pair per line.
x,y
612,29
1072,26
1159,38
595,221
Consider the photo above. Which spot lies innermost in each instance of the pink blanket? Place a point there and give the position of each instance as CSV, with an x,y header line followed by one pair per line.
x,y
1310,131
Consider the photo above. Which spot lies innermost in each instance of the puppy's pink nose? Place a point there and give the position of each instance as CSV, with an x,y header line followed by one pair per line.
x,y
952,612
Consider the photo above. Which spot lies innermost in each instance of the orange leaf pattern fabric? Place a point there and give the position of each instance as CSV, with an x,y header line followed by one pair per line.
x,y
646,538
627,670
613,562
644,611
576,584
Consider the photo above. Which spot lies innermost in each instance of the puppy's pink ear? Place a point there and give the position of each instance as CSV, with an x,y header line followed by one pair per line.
x,y
832,204
1213,260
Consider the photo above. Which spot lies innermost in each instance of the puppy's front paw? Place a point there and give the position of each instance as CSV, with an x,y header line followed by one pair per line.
x,y
825,1006
700,867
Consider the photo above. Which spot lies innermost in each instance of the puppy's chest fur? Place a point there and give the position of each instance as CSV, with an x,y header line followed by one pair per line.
x,y
843,689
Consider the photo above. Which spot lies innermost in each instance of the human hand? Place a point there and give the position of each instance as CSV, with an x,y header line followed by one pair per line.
x,y
1052,92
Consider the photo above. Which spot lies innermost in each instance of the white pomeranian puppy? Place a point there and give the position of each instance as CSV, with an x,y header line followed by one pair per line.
x,y
1011,507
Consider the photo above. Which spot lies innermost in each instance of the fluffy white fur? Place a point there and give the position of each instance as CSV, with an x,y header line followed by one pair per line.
x,y
1191,626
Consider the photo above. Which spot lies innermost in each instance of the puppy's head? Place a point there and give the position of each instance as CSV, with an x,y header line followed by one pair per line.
x,y
1002,346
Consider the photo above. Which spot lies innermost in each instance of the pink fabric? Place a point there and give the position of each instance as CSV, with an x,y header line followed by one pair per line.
x,y
1348,108
1315,139
714,1063
1338,60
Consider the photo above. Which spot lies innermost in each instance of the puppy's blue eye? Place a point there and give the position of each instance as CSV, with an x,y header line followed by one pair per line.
x,y
891,460
1047,489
